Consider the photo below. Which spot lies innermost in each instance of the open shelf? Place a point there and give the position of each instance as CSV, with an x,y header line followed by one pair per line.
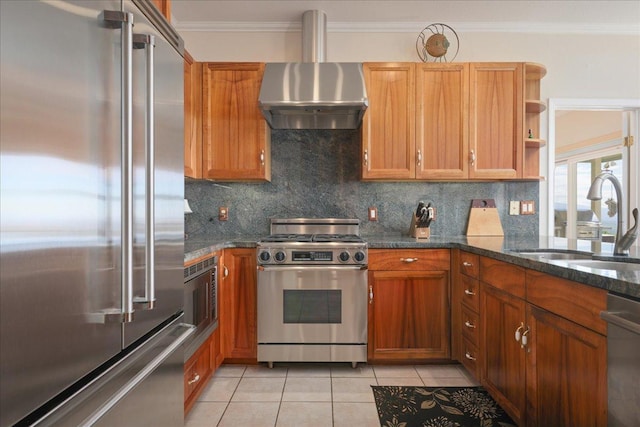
x,y
534,71
535,106
534,143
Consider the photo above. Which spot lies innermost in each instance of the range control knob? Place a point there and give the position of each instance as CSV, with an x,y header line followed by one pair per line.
x,y
344,256
359,256
280,256
265,256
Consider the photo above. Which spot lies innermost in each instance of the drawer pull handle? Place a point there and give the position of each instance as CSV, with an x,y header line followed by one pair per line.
x,y
408,260
524,338
468,356
370,294
467,264
518,333
195,379
469,324
469,292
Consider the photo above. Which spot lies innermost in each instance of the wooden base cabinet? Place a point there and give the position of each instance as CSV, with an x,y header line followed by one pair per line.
x,y
503,371
465,317
543,346
567,353
238,295
409,305
566,372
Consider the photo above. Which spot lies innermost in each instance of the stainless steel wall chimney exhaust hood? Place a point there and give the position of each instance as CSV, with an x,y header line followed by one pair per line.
x,y
313,94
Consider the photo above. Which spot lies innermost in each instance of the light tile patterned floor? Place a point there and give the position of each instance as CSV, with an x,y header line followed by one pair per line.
x,y
308,394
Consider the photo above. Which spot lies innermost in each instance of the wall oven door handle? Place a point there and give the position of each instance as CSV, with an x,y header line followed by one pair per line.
x,y
615,318
310,267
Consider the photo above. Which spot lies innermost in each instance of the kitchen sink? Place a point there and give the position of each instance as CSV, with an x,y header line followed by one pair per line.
x,y
553,254
604,265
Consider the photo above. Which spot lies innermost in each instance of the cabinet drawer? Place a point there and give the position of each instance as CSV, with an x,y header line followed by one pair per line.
x,y
196,373
470,325
470,292
574,301
409,260
469,264
510,278
470,358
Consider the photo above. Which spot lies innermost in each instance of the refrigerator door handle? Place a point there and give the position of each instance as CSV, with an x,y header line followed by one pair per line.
x,y
124,20
147,302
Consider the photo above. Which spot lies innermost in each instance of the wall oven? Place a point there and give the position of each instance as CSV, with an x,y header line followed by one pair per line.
x,y
312,295
201,300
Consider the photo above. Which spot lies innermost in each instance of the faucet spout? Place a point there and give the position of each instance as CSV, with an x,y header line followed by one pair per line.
x,y
622,243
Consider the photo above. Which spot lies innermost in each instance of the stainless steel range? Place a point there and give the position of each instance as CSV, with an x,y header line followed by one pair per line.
x,y
312,292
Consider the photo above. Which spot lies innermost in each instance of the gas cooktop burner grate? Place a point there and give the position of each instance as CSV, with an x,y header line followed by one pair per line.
x,y
288,238
320,238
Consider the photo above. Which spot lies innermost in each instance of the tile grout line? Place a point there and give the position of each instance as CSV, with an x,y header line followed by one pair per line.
x,y
231,397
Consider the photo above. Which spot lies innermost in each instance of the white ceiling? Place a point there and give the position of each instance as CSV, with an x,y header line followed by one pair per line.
x,y
400,15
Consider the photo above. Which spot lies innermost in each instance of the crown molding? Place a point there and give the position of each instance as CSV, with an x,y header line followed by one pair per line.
x,y
412,27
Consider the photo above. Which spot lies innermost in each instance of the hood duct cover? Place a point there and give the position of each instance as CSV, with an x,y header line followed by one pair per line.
x,y
313,95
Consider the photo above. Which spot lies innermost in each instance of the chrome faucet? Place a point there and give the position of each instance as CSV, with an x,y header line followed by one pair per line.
x,y
622,243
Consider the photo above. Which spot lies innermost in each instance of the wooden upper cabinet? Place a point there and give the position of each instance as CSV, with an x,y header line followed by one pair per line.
x,y
192,117
449,121
236,138
441,115
495,120
388,127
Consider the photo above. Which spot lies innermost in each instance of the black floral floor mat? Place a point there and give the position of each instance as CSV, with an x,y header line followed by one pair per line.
x,y
438,407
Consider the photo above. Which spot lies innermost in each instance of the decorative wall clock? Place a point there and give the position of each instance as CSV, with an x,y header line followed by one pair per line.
x,y
437,43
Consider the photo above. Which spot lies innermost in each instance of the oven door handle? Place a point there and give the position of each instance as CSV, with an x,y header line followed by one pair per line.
x,y
310,267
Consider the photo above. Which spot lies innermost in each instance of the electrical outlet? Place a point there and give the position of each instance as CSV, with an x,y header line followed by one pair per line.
x,y
514,207
373,213
527,207
223,213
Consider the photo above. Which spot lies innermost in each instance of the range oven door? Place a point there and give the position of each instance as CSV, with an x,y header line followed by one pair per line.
x,y
312,305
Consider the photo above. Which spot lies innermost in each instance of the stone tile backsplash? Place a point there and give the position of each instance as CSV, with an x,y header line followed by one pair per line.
x,y
316,174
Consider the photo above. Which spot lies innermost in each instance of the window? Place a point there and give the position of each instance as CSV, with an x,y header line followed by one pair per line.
x,y
587,136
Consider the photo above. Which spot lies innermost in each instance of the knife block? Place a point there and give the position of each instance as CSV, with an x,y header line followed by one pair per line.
x,y
418,232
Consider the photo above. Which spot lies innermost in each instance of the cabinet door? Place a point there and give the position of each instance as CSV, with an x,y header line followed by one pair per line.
x,y
503,360
236,138
192,117
495,120
238,304
442,130
388,127
566,372
409,315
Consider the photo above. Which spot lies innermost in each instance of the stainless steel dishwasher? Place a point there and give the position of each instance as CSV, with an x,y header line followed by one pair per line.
x,y
623,355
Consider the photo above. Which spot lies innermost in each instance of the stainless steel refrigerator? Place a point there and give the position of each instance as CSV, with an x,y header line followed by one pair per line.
x,y
91,217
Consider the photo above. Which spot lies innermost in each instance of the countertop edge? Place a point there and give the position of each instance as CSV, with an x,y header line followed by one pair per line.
x,y
499,248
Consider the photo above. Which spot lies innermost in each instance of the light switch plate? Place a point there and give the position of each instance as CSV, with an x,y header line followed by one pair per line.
x,y
514,207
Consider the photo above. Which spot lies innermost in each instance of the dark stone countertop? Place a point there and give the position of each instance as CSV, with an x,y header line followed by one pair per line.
x,y
626,283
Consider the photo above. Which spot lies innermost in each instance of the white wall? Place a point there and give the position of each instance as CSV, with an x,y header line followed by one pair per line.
x,y
578,65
